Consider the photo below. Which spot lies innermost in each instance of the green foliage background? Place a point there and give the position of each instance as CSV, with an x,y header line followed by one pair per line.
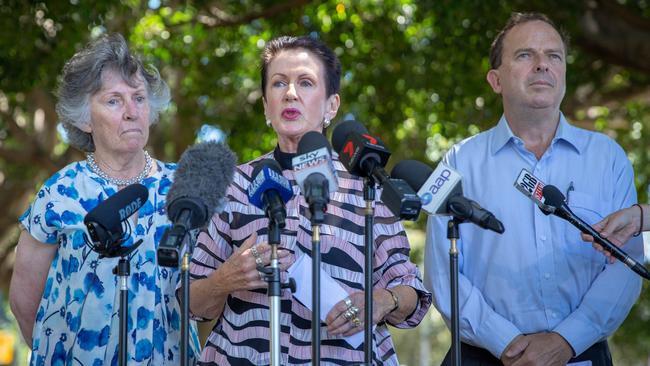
x,y
414,73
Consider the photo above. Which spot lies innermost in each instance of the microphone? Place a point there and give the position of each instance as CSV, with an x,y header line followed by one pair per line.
x,y
365,155
270,190
441,193
315,173
532,187
554,198
104,222
201,179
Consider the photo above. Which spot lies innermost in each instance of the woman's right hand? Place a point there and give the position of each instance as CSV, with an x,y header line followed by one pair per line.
x,y
240,270
618,227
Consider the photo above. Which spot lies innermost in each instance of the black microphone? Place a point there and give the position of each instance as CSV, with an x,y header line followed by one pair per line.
x,y
270,190
554,198
201,179
104,222
366,156
315,173
441,193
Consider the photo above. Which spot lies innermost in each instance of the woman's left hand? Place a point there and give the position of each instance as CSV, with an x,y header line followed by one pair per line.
x,y
347,320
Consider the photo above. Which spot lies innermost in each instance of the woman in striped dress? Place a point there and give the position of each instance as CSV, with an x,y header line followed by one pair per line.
x,y
300,83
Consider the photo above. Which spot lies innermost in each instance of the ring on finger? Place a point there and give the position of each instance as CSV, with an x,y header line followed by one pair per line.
x,y
258,261
356,322
255,253
348,302
261,275
348,315
354,310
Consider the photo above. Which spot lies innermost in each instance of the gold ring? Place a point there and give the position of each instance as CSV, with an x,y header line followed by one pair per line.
x,y
356,322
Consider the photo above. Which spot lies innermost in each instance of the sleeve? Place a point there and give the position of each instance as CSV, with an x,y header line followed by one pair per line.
x,y
213,247
480,325
613,292
393,265
44,218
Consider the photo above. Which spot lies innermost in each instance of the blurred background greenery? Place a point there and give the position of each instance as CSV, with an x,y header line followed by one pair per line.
x,y
414,73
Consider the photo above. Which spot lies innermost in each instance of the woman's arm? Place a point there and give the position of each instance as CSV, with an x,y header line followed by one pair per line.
x,y
32,264
239,272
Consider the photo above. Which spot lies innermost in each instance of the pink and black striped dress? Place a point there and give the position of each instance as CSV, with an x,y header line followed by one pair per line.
x,y
241,334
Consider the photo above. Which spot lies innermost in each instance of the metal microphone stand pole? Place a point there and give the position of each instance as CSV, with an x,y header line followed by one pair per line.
x,y
185,305
453,235
272,277
317,207
369,197
122,271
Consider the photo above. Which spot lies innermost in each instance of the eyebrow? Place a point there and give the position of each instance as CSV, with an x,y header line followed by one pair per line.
x,y
299,76
548,50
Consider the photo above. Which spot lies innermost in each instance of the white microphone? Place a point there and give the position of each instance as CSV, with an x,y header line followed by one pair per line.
x,y
316,159
434,187
441,193
315,173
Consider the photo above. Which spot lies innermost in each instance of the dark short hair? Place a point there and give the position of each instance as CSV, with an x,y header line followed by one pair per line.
x,y
318,48
496,50
82,77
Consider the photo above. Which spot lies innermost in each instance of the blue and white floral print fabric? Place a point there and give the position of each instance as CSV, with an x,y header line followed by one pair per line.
x,y
77,322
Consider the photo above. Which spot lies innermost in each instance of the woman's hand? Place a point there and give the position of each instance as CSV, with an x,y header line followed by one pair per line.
x,y
240,270
618,227
337,319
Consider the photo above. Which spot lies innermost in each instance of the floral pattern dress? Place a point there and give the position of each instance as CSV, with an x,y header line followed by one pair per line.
x,y
77,322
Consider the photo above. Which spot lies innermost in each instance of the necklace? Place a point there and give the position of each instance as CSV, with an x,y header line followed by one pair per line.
x,y
90,158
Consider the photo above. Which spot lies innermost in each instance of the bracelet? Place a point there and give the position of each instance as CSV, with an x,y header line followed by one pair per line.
x,y
641,220
395,300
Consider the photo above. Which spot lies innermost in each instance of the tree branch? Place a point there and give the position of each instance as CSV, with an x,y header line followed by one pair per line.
x,y
616,34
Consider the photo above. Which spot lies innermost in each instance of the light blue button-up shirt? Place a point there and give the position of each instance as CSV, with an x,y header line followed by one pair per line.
x,y
538,275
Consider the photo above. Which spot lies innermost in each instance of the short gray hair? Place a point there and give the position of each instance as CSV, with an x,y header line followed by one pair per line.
x,y
82,77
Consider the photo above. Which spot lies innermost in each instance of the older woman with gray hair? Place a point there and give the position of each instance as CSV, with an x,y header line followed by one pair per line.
x,y
63,295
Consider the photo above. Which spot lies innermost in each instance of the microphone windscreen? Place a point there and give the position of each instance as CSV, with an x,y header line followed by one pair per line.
x,y
311,141
204,171
342,130
111,212
414,172
552,196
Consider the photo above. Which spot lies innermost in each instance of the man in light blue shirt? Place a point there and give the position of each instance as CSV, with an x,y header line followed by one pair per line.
x,y
537,294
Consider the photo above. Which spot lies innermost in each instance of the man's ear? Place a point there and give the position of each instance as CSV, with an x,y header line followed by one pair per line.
x,y
493,78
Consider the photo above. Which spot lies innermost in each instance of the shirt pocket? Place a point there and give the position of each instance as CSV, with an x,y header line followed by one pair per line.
x,y
591,210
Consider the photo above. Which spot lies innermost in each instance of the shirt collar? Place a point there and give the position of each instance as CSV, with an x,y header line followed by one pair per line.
x,y
502,134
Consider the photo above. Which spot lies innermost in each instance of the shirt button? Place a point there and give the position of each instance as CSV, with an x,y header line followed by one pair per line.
x,y
554,314
547,275
542,238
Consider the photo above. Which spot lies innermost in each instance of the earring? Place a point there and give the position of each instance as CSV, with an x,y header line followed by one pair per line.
x,y
326,122
268,123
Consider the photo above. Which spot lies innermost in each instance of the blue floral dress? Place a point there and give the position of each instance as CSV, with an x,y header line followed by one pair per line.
x,y
77,322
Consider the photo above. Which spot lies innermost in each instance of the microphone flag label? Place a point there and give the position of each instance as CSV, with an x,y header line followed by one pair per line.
x,y
532,187
437,188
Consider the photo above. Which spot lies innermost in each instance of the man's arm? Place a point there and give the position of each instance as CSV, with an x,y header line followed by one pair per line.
x,y
479,323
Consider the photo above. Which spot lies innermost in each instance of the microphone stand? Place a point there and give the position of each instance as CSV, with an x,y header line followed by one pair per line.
x,y
122,270
185,304
272,277
317,199
369,197
168,256
453,235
